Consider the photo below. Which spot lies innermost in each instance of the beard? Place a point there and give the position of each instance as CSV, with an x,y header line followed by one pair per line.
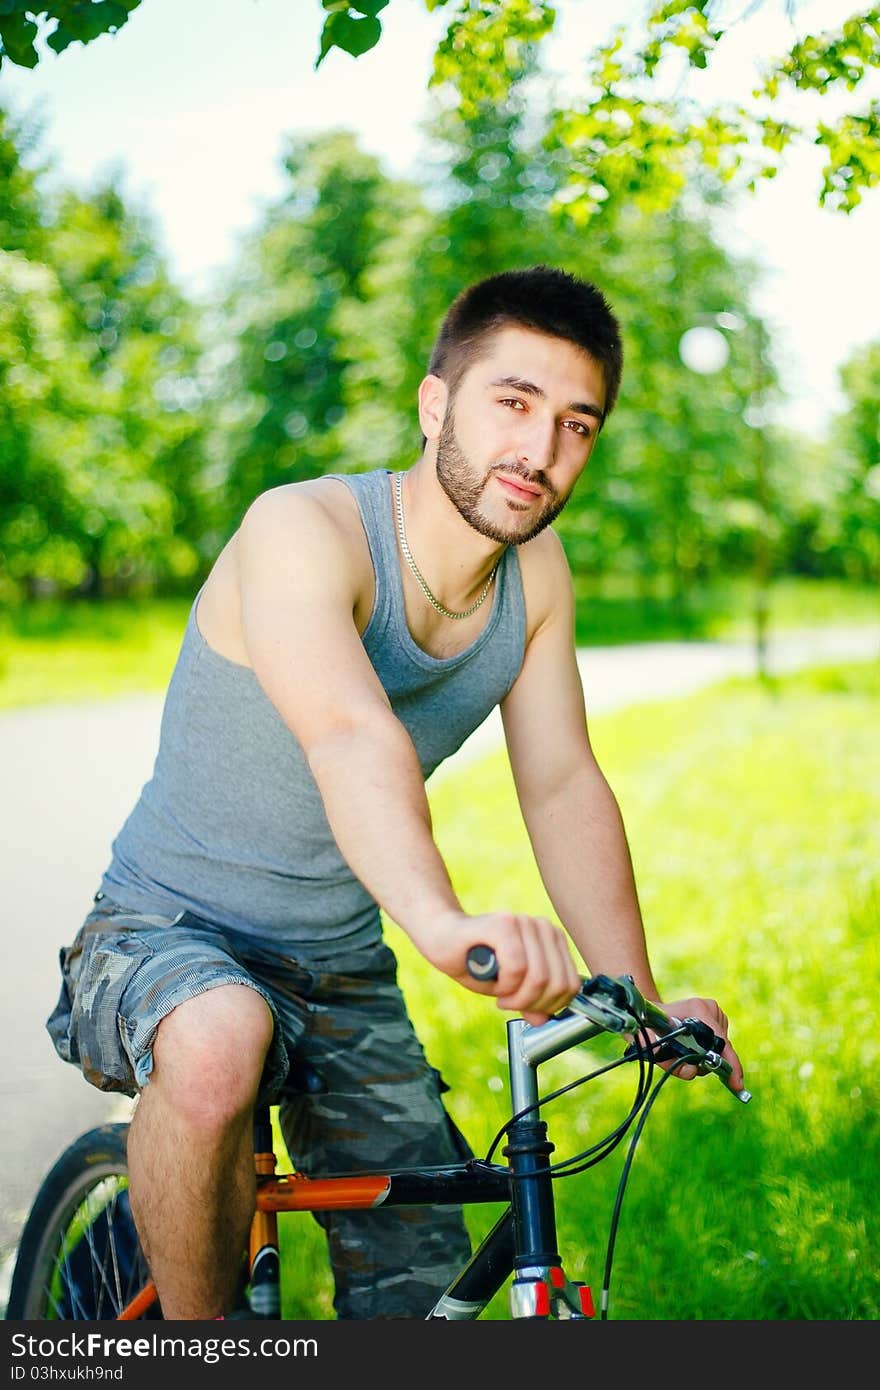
x,y
464,485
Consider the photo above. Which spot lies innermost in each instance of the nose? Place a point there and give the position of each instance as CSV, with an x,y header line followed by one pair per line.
x,y
536,445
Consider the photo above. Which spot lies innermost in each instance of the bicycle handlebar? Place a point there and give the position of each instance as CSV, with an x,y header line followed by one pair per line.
x,y
615,1005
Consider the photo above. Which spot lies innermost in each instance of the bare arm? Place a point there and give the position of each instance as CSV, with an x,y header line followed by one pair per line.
x,y
571,814
298,590
297,597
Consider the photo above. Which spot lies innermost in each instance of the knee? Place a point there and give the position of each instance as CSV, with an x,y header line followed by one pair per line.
x,y
209,1054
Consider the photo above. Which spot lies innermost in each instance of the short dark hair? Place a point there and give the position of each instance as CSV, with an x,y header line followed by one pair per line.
x,y
541,297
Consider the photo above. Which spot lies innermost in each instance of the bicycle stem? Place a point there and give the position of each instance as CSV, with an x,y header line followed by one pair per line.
x,y
604,1003
530,1044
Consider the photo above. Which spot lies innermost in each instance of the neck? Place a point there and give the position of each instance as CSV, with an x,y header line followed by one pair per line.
x,y
455,559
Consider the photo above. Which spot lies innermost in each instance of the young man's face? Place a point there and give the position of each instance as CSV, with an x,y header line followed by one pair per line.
x,y
518,431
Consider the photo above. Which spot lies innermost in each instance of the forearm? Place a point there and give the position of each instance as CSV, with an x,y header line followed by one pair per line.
x,y
580,844
374,797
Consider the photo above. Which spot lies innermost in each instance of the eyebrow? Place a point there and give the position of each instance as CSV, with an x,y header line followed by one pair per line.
x,y
530,388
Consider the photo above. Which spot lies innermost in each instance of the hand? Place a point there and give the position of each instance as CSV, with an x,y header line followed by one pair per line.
x,y
537,974
709,1012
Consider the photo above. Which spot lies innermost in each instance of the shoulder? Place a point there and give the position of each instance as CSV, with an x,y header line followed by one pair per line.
x,y
546,581
297,545
323,502
318,518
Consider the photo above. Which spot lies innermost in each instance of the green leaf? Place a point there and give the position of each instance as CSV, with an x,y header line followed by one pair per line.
x,y
368,7
354,36
87,22
61,38
17,34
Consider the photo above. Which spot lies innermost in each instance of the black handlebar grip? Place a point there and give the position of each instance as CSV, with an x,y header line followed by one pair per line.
x,y
482,963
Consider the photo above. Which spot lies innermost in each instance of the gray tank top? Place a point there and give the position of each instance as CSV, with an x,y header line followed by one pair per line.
x,y
231,825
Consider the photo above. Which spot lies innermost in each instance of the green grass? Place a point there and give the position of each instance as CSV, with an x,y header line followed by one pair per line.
x,y
753,816
88,651
53,651
613,612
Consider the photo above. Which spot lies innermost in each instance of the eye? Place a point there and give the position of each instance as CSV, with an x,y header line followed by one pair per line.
x,y
578,427
513,401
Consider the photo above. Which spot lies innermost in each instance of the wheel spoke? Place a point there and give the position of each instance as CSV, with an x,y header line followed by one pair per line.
x,y
93,1228
101,1284
79,1256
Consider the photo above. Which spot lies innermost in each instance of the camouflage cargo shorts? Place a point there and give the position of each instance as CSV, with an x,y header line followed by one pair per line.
x,y
343,1021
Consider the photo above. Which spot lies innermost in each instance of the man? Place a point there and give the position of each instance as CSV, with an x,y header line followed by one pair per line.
x,y
350,636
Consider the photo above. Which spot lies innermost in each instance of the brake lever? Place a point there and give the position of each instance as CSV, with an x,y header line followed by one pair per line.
x,y
708,1061
707,1043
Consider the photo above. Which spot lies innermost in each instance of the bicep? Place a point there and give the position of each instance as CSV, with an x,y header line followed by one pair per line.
x,y
298,596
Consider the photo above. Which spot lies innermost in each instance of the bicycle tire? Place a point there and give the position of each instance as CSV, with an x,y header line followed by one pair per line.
x,y
79,1257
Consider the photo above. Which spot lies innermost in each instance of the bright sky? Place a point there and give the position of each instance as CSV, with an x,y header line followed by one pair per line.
x,y
192,102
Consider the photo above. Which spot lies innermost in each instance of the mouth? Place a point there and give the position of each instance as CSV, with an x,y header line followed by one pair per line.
x,y
519,489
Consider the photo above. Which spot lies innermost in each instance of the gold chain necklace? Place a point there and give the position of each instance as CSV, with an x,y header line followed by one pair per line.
x,y
407,555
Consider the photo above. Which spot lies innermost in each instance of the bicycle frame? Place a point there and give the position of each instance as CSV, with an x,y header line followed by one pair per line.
x,y
523,1242
80,1255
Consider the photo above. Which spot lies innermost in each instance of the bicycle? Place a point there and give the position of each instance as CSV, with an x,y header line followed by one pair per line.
x,y
79,1256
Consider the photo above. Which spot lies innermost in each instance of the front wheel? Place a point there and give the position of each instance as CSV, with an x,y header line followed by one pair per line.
x,y
79,1257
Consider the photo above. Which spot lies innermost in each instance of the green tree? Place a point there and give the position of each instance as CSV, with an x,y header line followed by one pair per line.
x,y
21,227
101,456
314,357
829,491
621,131
141,338
647,123
282,389
44,406
855,446
482,209
83,505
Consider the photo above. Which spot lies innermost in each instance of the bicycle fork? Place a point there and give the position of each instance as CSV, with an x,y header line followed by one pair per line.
x,y
524,1240
541,1288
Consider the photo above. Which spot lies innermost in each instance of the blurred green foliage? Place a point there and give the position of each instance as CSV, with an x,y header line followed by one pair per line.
x,y
99,425
634,126
137,425
644,122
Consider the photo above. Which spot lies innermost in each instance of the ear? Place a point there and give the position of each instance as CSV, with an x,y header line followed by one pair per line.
x,y
433,399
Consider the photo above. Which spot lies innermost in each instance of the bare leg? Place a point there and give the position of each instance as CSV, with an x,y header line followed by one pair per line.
x,y
190,1148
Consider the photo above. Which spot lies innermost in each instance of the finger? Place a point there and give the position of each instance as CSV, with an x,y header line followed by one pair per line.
x,y
737,1079
551,973
569,976
529,992
575,969
551,978
715,1016
685,1071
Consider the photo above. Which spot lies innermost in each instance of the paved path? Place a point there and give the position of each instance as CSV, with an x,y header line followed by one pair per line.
x,y
69,776
617,676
